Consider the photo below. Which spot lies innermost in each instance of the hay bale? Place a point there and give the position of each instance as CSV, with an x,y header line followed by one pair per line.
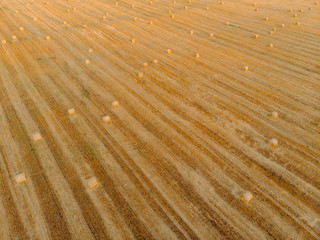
x,y
71,111
92,182
37,137
273,142
246,196
20,178
140,75
115,104
106,119
273,115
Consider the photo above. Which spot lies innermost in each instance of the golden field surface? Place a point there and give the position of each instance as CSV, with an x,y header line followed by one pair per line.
x,y
159,120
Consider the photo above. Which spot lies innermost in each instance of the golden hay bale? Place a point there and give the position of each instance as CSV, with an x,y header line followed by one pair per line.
x,y
273,142
246,196
106,119
71,111
140,74
20,178
37,137
92,182
115,104
273,115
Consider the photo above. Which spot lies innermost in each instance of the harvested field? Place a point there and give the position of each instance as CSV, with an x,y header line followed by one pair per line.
x,y
159,119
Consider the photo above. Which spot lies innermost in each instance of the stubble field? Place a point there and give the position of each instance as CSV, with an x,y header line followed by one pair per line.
x,y
209,104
